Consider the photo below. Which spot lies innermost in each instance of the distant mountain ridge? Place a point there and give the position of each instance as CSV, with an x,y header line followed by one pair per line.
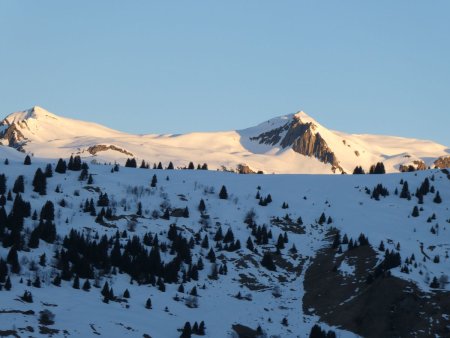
x,y
294,143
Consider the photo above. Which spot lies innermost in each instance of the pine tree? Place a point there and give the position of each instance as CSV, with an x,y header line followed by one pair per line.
x,y
191,166
76,282
267,261
415,212
27,160
154,181
434,283
223,193
19,185
13,259
358,171
201,328
105,290
170,166
322,219
187,331
250,245
405,191
86,285
40,182
126,294
201,206
8,284
148,304
186,212
57,280
2,184
437,198
48,170
61,166
37,282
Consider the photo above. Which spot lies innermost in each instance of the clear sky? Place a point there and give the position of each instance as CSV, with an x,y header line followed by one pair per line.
x,y
178,66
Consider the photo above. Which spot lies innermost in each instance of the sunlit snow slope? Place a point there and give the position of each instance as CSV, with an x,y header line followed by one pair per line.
x,y
294,143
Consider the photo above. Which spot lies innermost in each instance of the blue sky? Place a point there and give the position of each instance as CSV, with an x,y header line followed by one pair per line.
x,y
178,66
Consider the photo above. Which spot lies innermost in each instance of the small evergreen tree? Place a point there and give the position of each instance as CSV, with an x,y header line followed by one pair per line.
x,y
437,198
27,160
76,282
223,194
61,166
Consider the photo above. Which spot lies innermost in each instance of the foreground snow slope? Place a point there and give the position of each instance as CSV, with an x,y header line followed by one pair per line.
x,y
342,197
294,143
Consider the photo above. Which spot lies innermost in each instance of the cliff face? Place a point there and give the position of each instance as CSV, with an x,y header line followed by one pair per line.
x,y
442,162
11,135
303,139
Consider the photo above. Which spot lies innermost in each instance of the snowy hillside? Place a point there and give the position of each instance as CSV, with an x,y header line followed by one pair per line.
x,y
248,255
293,143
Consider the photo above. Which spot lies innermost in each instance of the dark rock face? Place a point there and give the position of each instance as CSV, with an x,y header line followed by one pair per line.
x,y
442,162
387,307
271,137
314,145
302,139
101,147
12,136
417,165
244,169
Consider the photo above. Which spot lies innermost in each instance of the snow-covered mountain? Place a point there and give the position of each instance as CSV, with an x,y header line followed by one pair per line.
x,y
293,143
362,255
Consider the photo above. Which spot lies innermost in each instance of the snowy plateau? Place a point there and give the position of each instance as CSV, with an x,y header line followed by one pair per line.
x,y
91,247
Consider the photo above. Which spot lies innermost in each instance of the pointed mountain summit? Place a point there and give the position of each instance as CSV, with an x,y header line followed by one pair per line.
x,y
293,143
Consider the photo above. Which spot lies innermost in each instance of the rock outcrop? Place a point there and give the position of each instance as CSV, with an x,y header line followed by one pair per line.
x,y
93,150
11,135
416,165
442,162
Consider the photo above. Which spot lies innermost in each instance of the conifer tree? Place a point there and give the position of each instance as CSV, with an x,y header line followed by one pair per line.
x,y
267,261
48,170
2,184
27,160
415,212
19,185
187,331
223,194
86,285
40,182
76,282
13,259
61,166
154,181
358,171
437,198
405,191
8,284
201,206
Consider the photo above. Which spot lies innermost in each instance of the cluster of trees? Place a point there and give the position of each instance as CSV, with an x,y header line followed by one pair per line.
x,y
195,329
377,168
318,332
378,191
132,163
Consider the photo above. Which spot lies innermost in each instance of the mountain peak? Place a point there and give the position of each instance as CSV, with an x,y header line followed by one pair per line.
x,y
39,112
35,112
